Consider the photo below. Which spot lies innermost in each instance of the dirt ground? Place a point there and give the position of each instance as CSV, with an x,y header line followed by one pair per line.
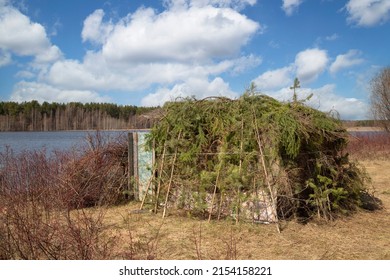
x,y
363,235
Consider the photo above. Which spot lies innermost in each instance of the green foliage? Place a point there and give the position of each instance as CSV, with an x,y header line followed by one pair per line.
x,y
337,186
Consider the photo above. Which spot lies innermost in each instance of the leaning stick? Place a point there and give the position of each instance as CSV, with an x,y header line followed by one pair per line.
x,y
147,190
159,181
215,191
240,172
265,171
170,178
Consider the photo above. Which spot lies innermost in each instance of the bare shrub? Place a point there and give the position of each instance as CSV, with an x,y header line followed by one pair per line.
x,y
380,98
42,201
366,146
143,246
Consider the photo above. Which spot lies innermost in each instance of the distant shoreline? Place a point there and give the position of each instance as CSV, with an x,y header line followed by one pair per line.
x,y
364,128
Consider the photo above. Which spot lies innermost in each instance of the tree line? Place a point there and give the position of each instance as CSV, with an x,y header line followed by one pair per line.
x,y
34,116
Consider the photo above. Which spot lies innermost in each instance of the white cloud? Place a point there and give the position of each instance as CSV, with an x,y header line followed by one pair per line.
x,y
24,74
326,99
332,37
235,4
5,58
274,79
24,38
147,48
351,58
310,63
368,12
193,34
290,6
94,29
51,54
244,63
97,74
26,91
197,87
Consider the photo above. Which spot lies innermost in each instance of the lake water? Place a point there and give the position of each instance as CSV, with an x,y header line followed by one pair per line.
x,y
53,140
66,140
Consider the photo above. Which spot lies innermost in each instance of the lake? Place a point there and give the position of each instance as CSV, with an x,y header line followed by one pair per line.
x,y
52,140
67,140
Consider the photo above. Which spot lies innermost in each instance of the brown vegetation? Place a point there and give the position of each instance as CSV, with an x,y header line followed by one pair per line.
x,y
380,98
369,145
33,116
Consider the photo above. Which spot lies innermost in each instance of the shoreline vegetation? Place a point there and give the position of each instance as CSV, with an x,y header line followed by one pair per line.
x,y
365,129
33,116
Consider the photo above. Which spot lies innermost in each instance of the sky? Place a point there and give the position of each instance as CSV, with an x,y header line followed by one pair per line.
x,y
145,53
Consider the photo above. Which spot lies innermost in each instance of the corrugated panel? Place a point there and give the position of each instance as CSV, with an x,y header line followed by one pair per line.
x,y
145,164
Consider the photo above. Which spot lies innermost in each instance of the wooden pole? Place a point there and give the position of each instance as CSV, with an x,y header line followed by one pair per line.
x,y
273,200
160,172
130,163
215,191
170,178
240,172
147,189
159,179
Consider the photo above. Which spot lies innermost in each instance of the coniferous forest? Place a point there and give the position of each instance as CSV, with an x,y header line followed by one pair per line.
x,y
33,116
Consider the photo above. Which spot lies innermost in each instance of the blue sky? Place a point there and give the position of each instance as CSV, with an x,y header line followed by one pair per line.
x,y
149,52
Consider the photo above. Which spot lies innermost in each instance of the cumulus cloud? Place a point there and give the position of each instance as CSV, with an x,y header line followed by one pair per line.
x,y
349,59
147,48
326,99
22,37
94,29
192,34
307,67
196,87
368,12
310,63
27,91
274,79
290,6
94,72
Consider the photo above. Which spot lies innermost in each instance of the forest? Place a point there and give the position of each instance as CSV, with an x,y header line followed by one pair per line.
x,y
33,116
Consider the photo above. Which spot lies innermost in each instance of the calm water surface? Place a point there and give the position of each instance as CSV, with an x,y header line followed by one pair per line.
x,y
53,140
66,140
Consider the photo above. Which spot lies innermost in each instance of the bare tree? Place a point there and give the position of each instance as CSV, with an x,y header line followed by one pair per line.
x,y
380,97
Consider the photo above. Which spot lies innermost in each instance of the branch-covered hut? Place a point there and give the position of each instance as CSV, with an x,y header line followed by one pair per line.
x,y
252,158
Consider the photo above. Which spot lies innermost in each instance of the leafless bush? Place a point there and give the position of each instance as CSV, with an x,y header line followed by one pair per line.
x,y
43,199
197,241
143,245
365,146
380,98
231,242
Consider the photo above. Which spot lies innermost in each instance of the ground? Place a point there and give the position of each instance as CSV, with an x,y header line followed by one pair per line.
x,y
363,235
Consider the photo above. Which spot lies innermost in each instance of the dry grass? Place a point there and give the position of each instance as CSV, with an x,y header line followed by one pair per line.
x,y
364,235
